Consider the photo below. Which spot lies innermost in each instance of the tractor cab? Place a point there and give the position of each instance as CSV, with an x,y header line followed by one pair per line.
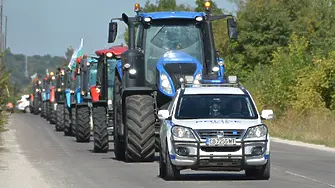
x,y
36,97
170,46
108,61
60,85
51,85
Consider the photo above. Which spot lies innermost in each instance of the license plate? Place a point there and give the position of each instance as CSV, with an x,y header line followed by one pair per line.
x,y
220,141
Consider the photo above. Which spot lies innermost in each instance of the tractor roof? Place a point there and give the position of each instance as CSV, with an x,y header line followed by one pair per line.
x,y
115,50
172,15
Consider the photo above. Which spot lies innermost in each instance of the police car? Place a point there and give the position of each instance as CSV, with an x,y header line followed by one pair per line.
x,y
214,127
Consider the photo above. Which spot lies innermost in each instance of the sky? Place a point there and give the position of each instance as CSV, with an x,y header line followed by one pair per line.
x,y
39,27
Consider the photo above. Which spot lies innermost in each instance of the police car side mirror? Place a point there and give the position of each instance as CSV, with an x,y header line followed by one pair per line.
x,y
267,114
163,114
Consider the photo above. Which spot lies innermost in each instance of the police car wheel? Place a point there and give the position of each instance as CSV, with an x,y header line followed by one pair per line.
x,y
162,166
171,172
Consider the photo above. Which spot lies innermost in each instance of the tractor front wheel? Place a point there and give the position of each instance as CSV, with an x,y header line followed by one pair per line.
x,y
67,122
60,117
140,128
83,127
100,131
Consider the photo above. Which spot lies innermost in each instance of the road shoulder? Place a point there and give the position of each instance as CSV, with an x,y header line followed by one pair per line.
x,y
15,169
303,144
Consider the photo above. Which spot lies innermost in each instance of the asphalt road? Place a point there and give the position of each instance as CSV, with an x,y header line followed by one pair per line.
x,y
64,163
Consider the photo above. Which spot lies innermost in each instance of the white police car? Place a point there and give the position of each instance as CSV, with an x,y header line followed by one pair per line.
x,y
214,127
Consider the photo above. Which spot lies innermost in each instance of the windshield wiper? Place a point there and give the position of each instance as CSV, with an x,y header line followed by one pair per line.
x,y
157,33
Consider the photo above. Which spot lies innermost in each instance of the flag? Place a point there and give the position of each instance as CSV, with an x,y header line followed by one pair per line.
x,y
33,76
77,53
47,72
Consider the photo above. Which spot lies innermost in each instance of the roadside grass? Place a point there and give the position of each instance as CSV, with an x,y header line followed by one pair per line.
x,y
3,121
315,128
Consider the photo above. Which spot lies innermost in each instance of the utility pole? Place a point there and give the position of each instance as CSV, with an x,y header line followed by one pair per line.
x,y
1,29
26,66
6,32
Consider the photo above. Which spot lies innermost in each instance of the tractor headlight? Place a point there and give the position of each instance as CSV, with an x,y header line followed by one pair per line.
x,y
132,71
165,83
109,54
215,69
220,63
258,132
182,132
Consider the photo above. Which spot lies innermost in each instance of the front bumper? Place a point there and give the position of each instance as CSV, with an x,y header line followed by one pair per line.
x,y
229,158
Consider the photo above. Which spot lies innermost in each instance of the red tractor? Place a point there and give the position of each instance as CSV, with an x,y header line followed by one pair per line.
x,y
102,95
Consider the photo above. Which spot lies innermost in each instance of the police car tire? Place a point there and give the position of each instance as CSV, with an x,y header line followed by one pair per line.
x,y
162,166
140,124
67,123
119,145
83,128
100,132
260,174
171,173
60,117
73,121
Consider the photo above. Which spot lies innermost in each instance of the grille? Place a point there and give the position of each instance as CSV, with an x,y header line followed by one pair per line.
x,y
179,70
203,134
220,149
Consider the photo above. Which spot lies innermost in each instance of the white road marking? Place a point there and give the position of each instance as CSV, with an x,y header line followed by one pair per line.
x,y
308,178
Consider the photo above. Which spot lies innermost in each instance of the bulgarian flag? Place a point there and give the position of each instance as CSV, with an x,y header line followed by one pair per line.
x,y
33,76
77,53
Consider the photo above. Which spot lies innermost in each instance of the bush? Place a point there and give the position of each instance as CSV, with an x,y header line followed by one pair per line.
x,y
300,89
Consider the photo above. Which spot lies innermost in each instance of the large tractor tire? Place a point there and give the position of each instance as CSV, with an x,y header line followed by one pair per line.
x,y
119,145
52,114
67,122
83,128
140,128
100,131
73,120
35,107
43,113
47,115
60,117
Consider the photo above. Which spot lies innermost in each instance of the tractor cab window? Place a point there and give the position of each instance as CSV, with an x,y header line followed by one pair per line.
x,y
111,70
174,35
92,75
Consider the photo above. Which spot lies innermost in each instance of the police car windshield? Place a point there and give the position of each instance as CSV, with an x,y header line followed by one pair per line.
x,y
214,106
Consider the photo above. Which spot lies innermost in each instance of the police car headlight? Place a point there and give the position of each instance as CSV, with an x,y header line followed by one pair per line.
x,y
182,132
165,83
256,132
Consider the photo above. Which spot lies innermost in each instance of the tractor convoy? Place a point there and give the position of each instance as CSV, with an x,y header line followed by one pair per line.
x,y
118,92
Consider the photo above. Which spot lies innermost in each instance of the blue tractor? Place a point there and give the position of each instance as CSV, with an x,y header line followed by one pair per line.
x,y
80,99
44,97
69,83
167,48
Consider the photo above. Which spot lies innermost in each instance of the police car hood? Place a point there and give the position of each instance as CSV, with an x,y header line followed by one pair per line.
x,y
199,124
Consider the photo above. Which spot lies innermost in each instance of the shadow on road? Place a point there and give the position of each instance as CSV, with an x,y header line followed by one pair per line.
x,y
213,177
